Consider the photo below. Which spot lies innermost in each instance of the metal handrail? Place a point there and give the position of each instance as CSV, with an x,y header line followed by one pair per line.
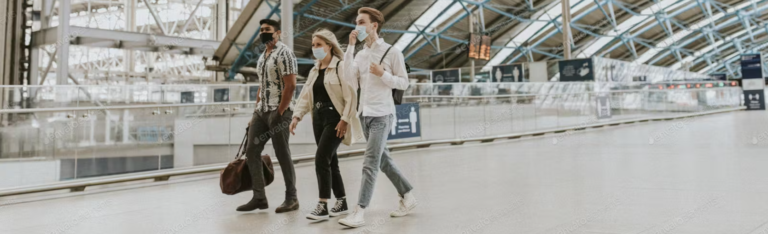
x,y
90,108
253,84
80,185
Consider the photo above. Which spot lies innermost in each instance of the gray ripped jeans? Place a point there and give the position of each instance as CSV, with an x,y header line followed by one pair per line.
x,y
376,130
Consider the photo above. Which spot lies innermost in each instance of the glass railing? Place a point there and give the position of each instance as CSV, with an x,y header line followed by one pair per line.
x,y
63,96
60,143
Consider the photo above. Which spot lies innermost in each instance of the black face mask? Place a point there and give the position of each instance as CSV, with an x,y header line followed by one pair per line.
x,y
266,37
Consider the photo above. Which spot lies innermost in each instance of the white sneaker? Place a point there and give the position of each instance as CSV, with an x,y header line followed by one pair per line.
x,y
407,203
354,219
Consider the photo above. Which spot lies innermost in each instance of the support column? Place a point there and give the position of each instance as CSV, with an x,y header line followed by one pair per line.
x,y
472,36
34,67
6,12
221,20
127,118
108,118
45,13
566,18
221,31
62,63
130,25
286,17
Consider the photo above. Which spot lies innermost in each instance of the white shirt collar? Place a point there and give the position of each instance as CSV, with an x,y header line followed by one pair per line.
x,y
377,42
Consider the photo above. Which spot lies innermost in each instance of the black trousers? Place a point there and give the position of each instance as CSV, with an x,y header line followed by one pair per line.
x,y
324,121
265,126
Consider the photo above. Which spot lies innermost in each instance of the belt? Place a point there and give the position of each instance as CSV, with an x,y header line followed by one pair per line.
x,y
321,105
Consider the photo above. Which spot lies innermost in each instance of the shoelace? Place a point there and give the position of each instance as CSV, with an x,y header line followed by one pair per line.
x,y
319,209
402,207
338,205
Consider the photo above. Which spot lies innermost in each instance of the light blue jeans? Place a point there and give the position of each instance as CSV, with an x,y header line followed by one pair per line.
x,y
376,130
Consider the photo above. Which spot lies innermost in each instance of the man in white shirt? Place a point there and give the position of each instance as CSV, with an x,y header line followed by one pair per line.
x,y
376,109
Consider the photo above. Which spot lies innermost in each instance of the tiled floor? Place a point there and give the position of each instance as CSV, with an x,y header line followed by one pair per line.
x,y
703,175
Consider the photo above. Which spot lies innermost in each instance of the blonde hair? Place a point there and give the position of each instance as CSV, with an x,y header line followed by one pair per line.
x,y
330,39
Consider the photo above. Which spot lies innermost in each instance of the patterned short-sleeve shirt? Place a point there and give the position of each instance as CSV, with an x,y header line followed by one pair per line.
x,y
271,69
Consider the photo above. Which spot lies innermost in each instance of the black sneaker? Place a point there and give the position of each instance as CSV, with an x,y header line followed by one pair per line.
x,y
320,213
340,208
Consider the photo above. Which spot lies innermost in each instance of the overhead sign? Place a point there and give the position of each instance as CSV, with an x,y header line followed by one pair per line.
x,y
603,106
407,122
446,76
577,70
474,45
508,73
718,76
751,67
485,48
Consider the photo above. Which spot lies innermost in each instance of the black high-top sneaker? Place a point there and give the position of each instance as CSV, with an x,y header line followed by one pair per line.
x,y
340,208
320,213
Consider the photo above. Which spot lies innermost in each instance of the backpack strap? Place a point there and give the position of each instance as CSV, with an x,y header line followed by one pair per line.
x,y
385,55
337,74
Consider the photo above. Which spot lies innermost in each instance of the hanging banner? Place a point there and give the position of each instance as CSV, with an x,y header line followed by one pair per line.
x,y
508,73
603,106
576,70
445,76
407,122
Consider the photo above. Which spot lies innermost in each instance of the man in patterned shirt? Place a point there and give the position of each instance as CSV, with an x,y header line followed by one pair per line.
x,y
276,69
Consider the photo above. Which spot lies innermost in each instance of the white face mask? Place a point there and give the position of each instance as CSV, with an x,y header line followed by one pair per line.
x,y
319,53
361,35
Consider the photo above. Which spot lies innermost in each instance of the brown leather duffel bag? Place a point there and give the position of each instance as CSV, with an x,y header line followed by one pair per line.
x,y
236,177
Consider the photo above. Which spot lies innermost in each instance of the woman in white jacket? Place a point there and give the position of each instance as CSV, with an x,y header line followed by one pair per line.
x,y
332,103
